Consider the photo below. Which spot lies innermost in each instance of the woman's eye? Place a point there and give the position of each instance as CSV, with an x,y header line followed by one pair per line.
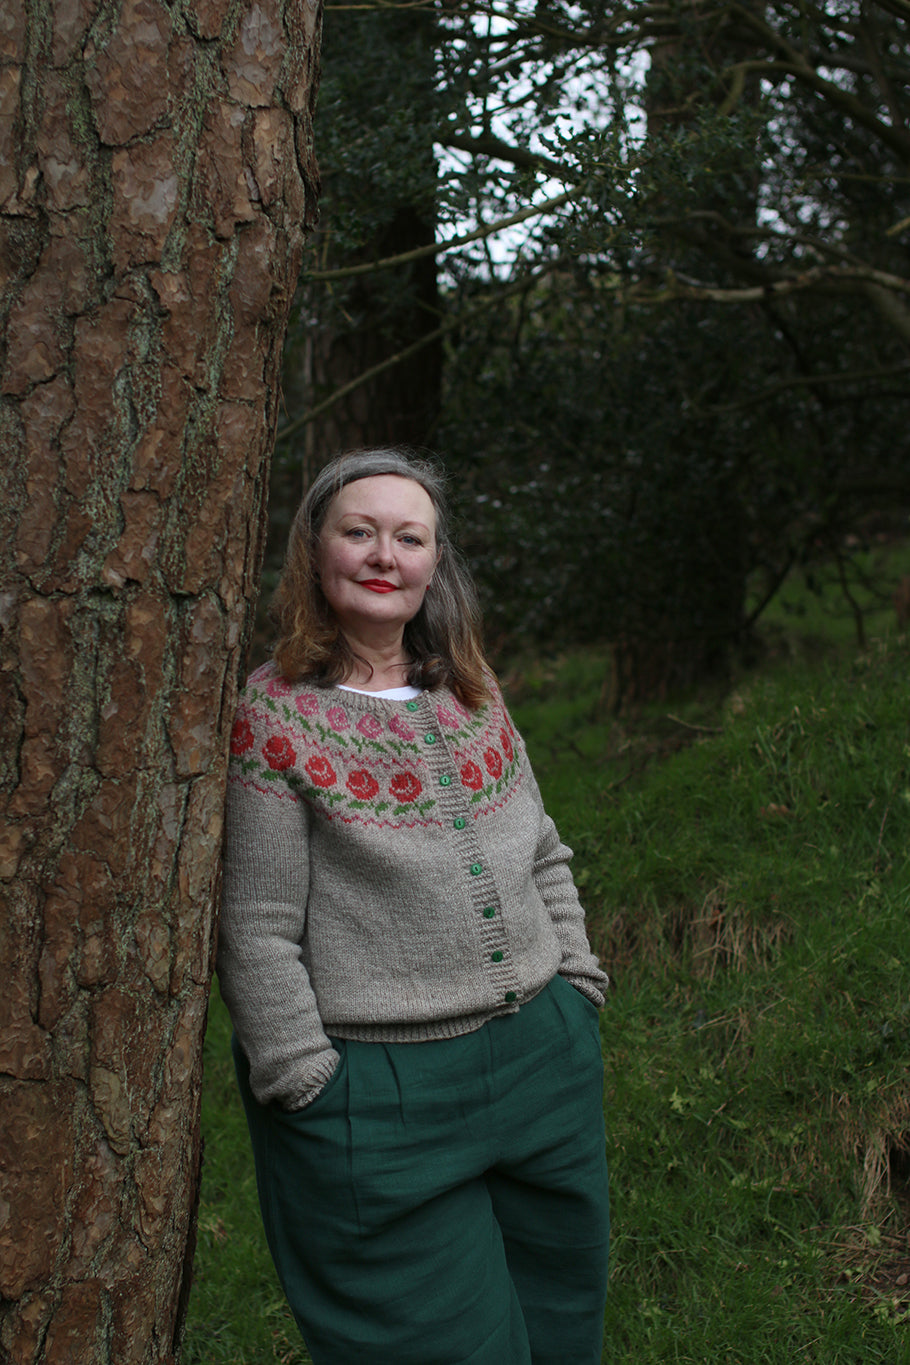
x,y
412,540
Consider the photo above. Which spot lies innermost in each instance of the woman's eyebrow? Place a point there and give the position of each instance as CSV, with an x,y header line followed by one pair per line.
x,y
366,516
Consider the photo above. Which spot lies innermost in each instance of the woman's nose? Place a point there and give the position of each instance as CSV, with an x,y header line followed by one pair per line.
x,y
383,552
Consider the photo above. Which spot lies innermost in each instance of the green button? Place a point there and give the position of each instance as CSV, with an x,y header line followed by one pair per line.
x,y
411,705
488,912
497,956
429,739
510,996
445,780
459,823
476,869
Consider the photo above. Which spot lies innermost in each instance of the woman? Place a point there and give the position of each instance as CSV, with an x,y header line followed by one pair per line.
x,y
404,958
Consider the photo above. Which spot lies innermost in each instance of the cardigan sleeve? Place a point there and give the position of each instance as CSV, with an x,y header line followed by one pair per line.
x,y
557,889
260,966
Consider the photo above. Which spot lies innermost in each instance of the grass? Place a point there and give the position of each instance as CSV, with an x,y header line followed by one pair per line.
x,y
237,1312
744,863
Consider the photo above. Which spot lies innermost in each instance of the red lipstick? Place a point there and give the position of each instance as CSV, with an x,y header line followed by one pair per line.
x,y
377,585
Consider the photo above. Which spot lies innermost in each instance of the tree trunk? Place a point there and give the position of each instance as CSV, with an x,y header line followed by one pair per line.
x,y
692,614
392,310
380,66
156,177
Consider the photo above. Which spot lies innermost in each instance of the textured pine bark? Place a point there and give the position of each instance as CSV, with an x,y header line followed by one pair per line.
x,y
156,180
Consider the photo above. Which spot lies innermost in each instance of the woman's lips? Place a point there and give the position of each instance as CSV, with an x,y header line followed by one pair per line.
x,y
377,585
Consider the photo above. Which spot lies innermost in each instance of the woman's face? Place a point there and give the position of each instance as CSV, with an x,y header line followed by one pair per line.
x,y
376,553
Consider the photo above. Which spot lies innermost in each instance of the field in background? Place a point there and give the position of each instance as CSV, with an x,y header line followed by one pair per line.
x,y
745,864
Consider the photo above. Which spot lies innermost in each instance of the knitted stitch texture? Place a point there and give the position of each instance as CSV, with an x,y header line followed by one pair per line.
x,y
390,874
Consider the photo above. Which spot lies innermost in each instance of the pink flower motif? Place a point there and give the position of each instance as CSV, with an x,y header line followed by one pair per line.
x,y
362,785
447,717
278,753
307,704
506,743
369,726
320,771
471,777
277,687
405,787
493,760
241,737
337,718
401,728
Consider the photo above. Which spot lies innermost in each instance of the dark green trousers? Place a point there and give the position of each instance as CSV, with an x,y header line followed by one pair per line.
x,y
445,1203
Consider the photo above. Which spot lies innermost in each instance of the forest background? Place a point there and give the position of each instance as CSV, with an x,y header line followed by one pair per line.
x,y
685,371
638,272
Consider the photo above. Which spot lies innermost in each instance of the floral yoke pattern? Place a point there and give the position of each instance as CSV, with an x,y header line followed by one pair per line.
x,y
369,759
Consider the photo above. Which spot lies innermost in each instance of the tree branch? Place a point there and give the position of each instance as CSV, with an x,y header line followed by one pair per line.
x,y
795,64
458,320
678,288
805,381
899,8
440,248
488,145
891,308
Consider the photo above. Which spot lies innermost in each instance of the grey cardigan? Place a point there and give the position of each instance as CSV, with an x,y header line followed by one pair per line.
x,y
390,874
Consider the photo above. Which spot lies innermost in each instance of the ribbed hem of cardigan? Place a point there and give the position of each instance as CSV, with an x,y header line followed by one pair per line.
x,y
429,1031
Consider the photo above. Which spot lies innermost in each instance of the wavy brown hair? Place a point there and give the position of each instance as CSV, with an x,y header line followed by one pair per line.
x,y
443,640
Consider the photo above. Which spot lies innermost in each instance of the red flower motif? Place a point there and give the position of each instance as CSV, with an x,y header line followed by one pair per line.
x,y
307,703
362,785
400,727
405,787
493,760
471,777
320,771
241,737
506,746
278,753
